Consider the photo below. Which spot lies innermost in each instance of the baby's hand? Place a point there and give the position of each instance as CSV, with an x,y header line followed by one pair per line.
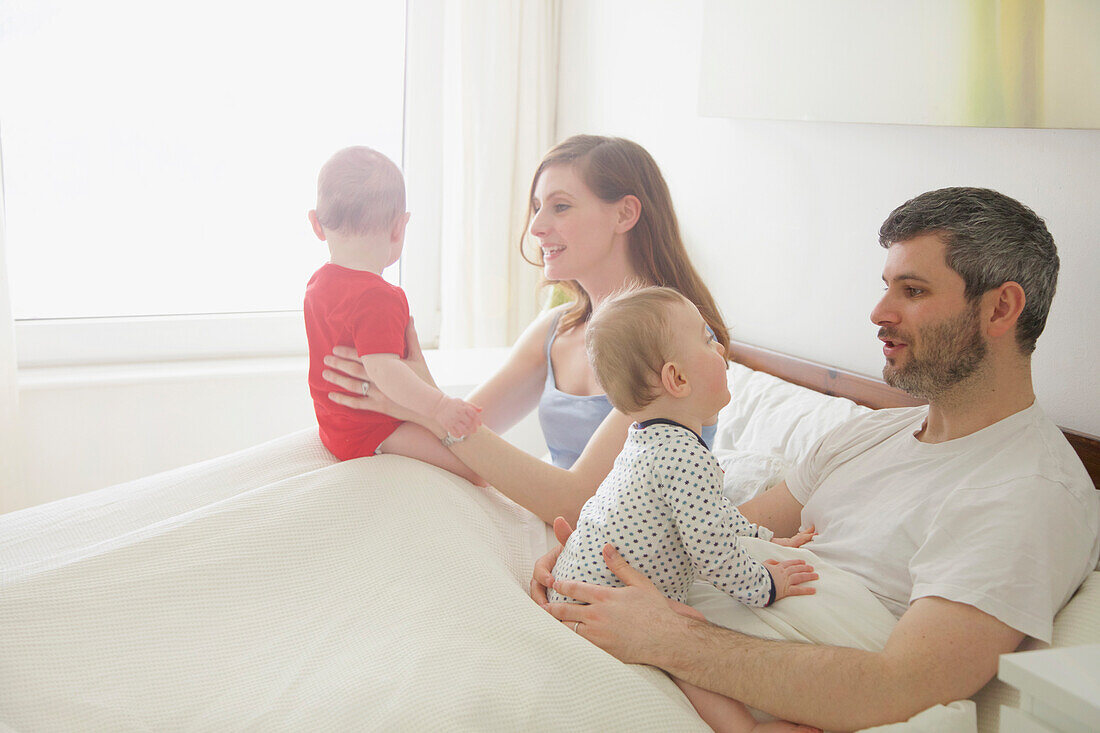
x,y
457,417
803,536
789,575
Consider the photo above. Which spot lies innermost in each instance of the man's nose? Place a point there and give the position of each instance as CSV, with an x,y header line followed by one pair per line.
x,y
884,312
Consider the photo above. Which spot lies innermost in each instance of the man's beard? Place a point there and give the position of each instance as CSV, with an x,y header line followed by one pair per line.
x,y
951,351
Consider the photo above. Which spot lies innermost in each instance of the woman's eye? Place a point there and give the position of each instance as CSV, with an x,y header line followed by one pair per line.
x,y
560,207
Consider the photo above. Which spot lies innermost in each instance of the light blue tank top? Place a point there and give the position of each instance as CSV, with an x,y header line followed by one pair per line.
x,y
568,421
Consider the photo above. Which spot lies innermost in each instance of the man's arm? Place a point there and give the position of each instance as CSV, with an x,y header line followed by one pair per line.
x,y
940,651
776,509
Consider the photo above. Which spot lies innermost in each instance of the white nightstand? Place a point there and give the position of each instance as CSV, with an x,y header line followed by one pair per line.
x,y
1059,690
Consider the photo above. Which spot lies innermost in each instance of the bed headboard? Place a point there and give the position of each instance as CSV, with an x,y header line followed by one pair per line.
x,y
872,392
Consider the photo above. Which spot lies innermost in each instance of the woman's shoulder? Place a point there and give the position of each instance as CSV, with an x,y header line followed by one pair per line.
x,y
532,342
544,322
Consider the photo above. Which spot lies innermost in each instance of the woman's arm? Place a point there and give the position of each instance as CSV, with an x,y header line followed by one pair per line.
x,y
505,398
514,390
511,393
542,488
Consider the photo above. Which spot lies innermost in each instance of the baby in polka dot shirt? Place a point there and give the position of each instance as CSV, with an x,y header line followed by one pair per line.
x,y
662,506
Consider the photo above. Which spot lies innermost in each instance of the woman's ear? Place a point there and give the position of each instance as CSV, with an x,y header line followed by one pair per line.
x,y
673,380
630,208
1008,302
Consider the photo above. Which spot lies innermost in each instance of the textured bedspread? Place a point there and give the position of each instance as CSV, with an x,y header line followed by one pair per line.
x,y
277,590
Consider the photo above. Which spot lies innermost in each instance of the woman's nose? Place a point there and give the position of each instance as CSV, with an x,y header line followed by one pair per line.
x,y
538,226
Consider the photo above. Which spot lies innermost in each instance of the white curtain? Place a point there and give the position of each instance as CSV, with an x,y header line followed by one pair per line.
x,y
481,86
11,494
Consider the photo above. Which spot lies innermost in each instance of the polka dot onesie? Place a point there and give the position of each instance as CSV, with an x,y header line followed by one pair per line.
x,y
662,507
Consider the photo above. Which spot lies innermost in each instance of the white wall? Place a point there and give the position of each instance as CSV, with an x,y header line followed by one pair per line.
x,y
89,427
782,217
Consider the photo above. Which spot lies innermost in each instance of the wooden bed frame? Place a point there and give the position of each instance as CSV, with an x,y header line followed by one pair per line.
x,y
872,392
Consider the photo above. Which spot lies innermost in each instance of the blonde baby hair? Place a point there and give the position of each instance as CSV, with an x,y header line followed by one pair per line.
x,y
359,191
629,340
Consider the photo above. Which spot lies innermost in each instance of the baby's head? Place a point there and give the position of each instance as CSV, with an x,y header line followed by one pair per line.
x,y
651,343
360,192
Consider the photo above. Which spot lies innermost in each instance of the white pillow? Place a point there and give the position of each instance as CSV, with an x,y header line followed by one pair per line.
x,y
769,416
747,474
1078,623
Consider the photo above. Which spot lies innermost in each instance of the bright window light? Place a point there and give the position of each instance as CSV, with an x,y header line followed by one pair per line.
x,y
160,158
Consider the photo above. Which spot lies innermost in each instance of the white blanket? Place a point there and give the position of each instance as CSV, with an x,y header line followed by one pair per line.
x,y
275,590
842,612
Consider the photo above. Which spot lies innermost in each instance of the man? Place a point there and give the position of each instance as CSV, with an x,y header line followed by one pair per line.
x,y
972,519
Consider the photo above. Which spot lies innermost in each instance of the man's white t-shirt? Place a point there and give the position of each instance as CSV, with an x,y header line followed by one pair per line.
x,y
1005,519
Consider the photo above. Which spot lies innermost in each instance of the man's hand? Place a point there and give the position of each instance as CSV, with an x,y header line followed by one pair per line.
x,y
457,417
789,575
625,622
541,576
802,537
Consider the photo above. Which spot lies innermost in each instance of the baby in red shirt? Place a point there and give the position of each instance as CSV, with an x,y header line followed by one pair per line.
x,y
361,215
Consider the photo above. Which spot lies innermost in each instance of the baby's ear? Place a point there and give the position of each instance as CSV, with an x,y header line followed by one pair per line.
x,y
316,224
397,234
673,380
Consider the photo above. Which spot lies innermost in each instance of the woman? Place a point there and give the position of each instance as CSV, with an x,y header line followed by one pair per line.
x,y
601,212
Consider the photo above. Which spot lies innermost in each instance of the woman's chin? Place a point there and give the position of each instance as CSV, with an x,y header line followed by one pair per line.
x,y
551,272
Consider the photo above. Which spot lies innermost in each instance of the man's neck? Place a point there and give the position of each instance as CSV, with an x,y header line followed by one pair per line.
x,y
988,396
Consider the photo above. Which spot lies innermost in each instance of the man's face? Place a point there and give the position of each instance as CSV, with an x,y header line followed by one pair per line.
x,y
932,337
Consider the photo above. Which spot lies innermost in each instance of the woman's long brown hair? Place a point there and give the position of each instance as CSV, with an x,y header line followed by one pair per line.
x,y
613,167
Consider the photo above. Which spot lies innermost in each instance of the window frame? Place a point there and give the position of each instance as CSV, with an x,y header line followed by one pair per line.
x,y
78,341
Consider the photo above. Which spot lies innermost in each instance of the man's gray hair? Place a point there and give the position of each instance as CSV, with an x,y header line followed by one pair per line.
x,y
990,239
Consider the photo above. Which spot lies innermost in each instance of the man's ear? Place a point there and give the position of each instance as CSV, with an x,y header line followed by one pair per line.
x,y
316,224
630,208
674,381
397,234
1008,302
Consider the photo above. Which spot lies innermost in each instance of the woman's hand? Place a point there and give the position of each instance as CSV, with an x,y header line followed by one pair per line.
x,y
348,374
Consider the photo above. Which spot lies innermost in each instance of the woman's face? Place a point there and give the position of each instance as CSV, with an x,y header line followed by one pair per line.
x,y
574,227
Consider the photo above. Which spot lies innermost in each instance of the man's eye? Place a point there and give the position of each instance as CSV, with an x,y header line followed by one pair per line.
x,y
913,292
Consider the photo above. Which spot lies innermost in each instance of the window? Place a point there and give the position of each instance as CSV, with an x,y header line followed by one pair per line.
x,y
159,159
